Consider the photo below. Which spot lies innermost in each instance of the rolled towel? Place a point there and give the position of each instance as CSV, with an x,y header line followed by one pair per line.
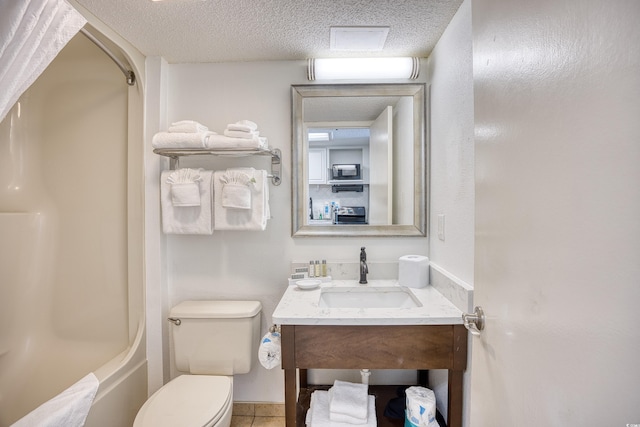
x,y
241,134
348,399
179,140
187,126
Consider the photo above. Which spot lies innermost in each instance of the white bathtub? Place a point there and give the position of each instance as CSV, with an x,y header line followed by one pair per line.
x,y
123,387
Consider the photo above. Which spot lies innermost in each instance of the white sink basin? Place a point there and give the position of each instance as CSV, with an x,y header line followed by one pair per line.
x,y
368,297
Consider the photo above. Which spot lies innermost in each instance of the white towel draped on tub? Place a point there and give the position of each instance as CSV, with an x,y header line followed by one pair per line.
x,y
69,409
187,219
243,219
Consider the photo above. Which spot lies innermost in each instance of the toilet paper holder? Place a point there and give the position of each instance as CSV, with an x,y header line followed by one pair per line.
x,y
474,322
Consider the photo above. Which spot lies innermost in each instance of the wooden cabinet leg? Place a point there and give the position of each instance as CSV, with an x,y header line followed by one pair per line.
x,y
290,397
454,406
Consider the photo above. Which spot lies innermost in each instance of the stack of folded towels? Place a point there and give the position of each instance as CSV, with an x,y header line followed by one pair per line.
x,y
190,134
241,134
343,405
182,134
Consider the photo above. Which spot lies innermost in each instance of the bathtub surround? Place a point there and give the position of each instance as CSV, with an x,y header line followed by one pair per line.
x,y
76,294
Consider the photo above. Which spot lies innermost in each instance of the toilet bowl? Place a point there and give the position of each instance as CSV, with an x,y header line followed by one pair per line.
x,y
212,340
189,400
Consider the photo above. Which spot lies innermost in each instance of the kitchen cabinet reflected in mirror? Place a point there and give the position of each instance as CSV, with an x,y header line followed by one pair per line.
x,y
359,160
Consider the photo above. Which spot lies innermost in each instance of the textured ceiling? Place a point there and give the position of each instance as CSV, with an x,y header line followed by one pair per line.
x,y
184,31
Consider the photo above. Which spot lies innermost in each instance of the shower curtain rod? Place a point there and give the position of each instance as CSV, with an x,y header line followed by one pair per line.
x,y
129,74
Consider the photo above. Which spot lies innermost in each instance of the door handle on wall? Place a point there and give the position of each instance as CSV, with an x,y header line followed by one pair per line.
x,y
474,322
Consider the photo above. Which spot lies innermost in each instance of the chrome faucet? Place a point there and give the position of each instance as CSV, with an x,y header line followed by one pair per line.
x,y
364,268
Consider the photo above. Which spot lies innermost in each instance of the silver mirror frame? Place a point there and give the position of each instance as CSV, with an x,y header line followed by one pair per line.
x,y
419,94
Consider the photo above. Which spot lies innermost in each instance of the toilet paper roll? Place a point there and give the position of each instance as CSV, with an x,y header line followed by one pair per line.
x,y
421,407
413,271
269,350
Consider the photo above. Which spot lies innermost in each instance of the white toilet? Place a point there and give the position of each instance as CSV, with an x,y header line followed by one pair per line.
x,y
212,340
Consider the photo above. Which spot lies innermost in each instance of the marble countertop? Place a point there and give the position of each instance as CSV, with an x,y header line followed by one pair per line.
x,y
300,307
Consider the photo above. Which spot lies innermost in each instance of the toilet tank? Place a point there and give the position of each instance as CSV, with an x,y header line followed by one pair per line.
x,y
215,337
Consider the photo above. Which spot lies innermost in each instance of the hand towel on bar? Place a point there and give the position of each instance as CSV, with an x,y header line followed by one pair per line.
x,y
319,412
185,190
179,139
348,399
187,219
241,134
70,408
236,189
227,143
243,219
187,126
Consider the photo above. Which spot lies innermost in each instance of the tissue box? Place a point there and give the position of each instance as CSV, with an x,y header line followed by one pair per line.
x,y
413,271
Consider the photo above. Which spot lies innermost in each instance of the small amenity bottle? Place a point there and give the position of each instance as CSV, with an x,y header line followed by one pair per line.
x,y
312,269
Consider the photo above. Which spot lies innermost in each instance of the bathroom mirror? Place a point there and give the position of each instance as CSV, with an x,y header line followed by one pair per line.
x,y
359,160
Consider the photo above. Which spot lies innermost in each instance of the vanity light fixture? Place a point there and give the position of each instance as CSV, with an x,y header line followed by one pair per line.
x,y
363,68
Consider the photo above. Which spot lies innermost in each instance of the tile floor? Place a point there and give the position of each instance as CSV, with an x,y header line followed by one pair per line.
x,y
257,415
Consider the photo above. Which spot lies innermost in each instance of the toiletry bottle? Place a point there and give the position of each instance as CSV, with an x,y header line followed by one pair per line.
x,y
324,268
312,269
317,269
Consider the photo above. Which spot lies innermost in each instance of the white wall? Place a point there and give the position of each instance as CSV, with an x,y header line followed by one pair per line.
x,y
249,265
452,167
452,132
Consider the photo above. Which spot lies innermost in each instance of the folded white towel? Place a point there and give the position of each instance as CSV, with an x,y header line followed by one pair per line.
x,y
248,123
348,399
243,219
241,134
187,126
179,139
70,408
185,190
242,128
236,191
222,142
318,414
187,219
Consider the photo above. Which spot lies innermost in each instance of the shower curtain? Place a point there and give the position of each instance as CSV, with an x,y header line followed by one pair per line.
x,y
32,33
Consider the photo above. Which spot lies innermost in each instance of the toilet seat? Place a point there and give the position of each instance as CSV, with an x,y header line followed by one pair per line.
x,y
189,401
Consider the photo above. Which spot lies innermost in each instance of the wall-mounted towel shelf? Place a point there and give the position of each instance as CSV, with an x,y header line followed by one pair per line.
x,y
174,155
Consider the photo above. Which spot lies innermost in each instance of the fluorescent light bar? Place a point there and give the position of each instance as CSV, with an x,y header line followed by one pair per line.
x,y
363,68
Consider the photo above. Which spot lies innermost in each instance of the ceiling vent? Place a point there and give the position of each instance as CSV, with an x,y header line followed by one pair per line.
x,y
369,39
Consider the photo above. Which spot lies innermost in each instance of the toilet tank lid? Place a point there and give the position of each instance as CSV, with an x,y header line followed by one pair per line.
x,y
216,309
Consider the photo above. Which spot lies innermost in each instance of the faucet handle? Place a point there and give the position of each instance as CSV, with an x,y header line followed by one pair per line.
x,y
363,254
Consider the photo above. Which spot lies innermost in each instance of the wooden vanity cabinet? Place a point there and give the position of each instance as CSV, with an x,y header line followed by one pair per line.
x,y
415,347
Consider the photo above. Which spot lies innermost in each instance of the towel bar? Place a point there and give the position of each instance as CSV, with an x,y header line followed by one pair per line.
x,y
275,153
